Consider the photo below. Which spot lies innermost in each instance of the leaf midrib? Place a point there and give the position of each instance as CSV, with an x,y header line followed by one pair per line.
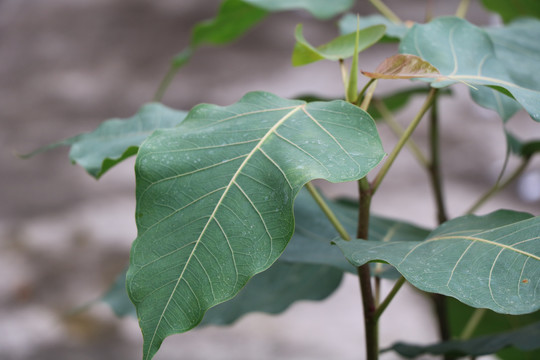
x,y
212,216
490,242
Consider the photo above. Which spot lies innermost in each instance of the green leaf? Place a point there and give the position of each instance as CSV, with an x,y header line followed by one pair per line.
x,y
116,297
274,290
525,339
465,53
313,233
322,9
215,199
510,10
271,291
524,149
347,24
490,324
117,139
490,261
341,47
234,18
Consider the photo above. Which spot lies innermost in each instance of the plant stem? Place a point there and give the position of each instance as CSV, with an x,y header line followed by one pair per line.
x,y
463,8
471,325
389,119
434,167
364,89
385,10
389,297
441,311
498,187
364,275
327,211
164,85
403,140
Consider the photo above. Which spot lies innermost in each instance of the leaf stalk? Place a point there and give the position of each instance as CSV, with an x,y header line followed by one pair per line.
x,y
386,11
389,297
403,140
328,212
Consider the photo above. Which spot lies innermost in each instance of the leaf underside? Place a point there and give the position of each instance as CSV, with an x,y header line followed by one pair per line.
x,y
215,199
464,53
491,261
117,139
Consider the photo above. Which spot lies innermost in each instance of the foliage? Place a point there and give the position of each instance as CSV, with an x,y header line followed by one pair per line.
x,y
230,223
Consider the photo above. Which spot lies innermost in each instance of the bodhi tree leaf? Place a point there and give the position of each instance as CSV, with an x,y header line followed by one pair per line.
x,y
274,290
510,10
490,261
215,199
403,66
525,339
313,233
465,53
341,47
271,291
117,139
349,22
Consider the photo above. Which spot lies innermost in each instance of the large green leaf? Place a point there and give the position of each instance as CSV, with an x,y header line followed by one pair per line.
x,y
490,261
313,234
341,47
215,198
465,53
271,291
524,339
511,9
117,139
349,22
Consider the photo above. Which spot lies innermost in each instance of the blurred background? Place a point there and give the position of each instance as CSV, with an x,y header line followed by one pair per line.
x,y
66,66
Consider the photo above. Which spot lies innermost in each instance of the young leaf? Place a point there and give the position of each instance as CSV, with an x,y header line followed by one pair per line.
x,y
215,199
490,261
510,10
465,53
341,47
394,32
525,339
117,139
402,66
